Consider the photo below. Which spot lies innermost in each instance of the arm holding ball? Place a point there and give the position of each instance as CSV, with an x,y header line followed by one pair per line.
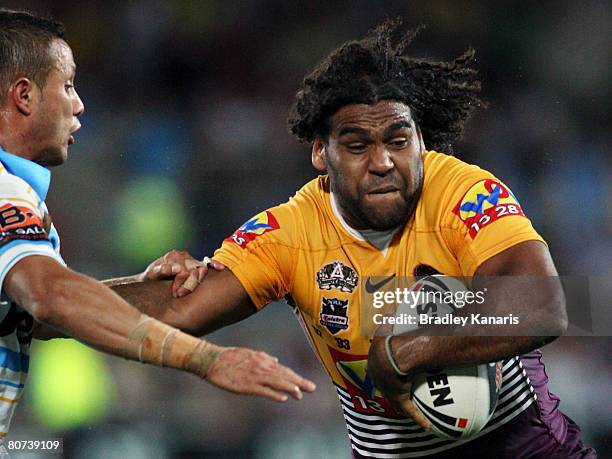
x,y
409,354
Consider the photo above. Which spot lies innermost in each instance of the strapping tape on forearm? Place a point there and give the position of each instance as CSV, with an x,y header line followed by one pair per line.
x,y
203,357
152,341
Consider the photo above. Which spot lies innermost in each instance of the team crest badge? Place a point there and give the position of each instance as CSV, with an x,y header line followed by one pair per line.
x,y
260,224
334,314
485,202
337,275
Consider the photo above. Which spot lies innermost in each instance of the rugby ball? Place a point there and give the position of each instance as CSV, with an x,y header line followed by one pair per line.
x,y
458,402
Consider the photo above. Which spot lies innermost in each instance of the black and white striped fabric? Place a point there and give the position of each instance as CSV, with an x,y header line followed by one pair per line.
x,y
389,438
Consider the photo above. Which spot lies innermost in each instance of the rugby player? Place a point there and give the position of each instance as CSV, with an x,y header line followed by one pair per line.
x,y
393,203
39,111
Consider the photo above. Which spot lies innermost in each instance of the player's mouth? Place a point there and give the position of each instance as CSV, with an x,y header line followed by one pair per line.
x,y
71,137
383,190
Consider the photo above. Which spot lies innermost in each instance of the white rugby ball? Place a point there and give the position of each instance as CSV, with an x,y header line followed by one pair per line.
x,y
458,402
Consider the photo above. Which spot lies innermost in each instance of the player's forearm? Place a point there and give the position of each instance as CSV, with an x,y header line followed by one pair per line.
x,y
122,280
540,313
435,352
148,301
154,298
81,308
219,301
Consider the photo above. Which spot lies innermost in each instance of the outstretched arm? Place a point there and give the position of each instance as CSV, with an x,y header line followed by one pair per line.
x,y
81,307
185,272
220,300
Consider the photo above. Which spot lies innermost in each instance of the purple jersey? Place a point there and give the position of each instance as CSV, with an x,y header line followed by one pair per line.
x,y
526,423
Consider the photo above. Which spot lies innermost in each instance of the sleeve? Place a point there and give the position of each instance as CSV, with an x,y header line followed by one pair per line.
x,y
259,254
22,231
483,218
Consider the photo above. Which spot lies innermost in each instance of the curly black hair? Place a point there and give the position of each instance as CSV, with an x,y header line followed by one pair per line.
x,y
441,95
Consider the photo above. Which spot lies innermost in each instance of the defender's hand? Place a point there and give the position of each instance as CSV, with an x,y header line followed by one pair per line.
x,y
181,266
187,282
244,371
397,390
188,279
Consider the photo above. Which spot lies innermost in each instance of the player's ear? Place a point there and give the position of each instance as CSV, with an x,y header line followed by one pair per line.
x,y
420,134
22,93
318,154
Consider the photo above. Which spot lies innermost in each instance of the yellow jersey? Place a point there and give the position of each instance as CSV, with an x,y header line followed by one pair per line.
x,y
304,251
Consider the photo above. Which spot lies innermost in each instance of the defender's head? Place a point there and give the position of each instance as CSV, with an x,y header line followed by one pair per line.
x,y
38,102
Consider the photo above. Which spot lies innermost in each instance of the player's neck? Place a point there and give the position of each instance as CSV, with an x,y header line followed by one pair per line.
x,y
11,139
379,239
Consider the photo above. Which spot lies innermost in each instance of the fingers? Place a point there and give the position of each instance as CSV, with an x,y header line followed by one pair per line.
x,y
184,284
187,282
273,382
283,385
192,264
171,264
300,383
266,392
163,271
191,282
179,280
411,410
245,371
282,378
217,266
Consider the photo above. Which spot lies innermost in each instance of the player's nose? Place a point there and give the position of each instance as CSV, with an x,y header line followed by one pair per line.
x,y
78,108
380,161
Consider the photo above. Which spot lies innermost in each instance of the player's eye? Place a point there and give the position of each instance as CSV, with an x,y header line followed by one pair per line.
x,y
398,142
69,87
357,147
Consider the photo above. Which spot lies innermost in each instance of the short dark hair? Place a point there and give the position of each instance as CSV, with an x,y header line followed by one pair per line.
x,y
441,95
24,47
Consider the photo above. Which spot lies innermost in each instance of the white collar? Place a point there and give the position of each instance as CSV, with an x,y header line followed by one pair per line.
x,y
379,239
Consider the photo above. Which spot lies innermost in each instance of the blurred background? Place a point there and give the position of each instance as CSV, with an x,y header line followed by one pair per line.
x,y
184,138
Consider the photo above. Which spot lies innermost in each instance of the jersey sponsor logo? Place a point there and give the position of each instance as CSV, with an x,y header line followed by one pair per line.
x,y
19,222
364,395
337,275
485,202
374,287
261,223
334,314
